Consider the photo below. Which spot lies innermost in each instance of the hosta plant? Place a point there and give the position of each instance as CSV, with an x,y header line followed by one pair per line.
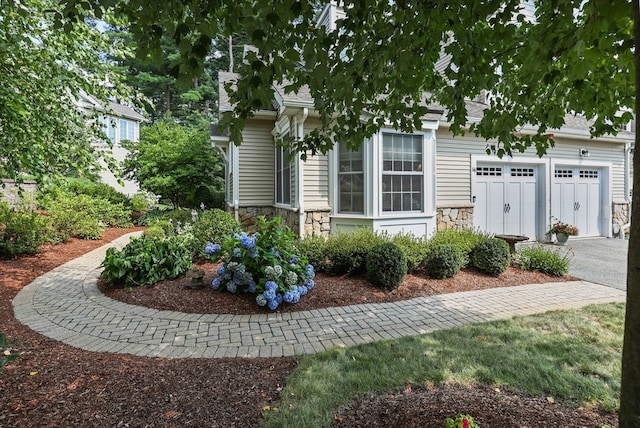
x,y
266,263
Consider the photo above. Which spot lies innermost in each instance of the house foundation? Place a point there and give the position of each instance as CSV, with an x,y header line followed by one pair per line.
x,y
454,217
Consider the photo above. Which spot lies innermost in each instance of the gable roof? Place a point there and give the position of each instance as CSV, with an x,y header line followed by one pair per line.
x,y
575,125
113,108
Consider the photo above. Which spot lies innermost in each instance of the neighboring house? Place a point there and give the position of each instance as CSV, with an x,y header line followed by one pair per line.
x,y
120,123
424,181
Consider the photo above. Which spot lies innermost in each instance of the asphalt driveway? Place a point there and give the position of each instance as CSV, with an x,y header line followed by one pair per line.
x,y
600,260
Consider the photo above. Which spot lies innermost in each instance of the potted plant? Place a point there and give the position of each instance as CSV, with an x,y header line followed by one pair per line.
x,y
563,231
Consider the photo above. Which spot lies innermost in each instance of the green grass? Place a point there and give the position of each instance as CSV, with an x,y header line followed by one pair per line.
x,y
572,356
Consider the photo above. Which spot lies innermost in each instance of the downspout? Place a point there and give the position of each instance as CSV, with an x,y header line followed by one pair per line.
x,y
236,183
300,172
627,185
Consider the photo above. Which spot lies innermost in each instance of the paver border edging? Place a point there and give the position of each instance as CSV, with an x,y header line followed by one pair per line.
x,y
65,304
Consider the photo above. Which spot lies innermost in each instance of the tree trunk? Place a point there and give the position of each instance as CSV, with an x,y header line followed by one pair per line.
x,y
630,384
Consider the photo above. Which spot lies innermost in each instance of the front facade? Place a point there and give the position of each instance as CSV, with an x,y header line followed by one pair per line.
x,y
424,181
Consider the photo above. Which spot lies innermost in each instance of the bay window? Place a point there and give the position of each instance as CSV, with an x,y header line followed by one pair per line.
x,y
351,180
402,173
283,175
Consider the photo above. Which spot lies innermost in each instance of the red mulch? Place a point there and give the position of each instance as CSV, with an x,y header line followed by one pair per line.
x,y
55,385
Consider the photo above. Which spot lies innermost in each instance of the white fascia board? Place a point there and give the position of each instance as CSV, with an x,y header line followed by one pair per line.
x,y
568,133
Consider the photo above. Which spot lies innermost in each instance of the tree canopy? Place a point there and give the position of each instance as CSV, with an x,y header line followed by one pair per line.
x,y
175,162
381,64
386,52
43,73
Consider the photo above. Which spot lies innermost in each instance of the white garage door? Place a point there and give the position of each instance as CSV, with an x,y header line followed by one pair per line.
x,y
506,199
576,198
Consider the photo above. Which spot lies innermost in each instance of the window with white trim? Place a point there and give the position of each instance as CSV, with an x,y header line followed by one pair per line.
x,y
126,130
350,179
283,175
402,173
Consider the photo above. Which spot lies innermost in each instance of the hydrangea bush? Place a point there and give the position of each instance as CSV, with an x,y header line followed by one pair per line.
x,y
266,263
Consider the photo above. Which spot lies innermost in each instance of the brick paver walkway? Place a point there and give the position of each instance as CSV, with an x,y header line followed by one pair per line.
x,y
66,305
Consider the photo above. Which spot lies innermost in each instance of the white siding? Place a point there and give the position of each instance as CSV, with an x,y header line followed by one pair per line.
x,y
256,172
599,152
316,176
454,163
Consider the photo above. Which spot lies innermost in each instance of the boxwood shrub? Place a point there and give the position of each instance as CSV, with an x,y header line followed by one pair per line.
x,y
347,250
443,261
386,266
491,256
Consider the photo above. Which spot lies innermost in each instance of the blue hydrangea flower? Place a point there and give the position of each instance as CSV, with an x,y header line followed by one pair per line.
x,y
288,297
271,286
211,248
274,252
232,287
261,300
291,297
247,242
237,253
236,236
273,304
215,284
309,284
221,270
302,290
252,287
279,298
310,272
269,294
294,260
253,252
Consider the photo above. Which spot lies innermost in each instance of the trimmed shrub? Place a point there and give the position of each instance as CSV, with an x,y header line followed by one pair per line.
x,y
314,249
386,266
463,239
443,261
414,249
346,251
540,259
145,261
20,232
212,226
491,256
155,232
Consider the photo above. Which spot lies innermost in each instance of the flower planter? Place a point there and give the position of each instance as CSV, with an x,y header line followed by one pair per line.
x,y
562,238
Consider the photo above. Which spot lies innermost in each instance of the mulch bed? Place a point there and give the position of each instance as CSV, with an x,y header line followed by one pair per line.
x,y
54,385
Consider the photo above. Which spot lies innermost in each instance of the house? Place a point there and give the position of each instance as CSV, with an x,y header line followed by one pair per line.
x,y
120,122
424,181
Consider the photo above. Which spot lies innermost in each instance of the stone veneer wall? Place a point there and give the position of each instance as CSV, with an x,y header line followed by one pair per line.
x,y
248,216
620,216
9,191
317,222
460,217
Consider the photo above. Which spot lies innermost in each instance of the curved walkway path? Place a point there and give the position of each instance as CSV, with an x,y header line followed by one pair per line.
x,y
66,305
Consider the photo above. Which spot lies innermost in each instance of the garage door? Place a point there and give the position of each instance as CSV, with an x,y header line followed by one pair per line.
x,y
506,199
576,198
